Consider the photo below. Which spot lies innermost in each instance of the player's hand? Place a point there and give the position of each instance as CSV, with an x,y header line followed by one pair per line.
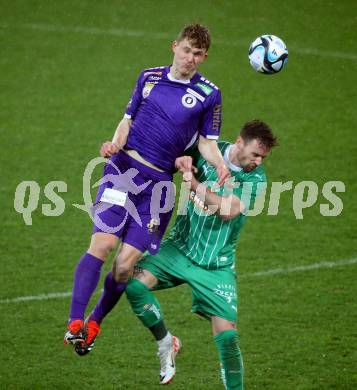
x,y
223,173
108,149
184,164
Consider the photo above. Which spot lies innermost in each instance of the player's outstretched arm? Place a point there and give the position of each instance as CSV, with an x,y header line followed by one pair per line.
x,y
119,139
211,153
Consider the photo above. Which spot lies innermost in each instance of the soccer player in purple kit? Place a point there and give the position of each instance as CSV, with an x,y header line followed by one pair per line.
x,y
171,108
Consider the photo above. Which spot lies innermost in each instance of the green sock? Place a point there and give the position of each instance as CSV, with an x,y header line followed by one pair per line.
x,y
145,305
159,330
231,359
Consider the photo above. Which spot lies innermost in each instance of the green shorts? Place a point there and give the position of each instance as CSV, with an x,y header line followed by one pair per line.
x,y
213,291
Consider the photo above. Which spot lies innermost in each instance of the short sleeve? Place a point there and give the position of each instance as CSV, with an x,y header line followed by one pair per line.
x,y
210,125
136,98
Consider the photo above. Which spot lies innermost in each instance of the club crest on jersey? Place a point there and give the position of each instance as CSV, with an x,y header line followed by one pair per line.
x,y
188,100
147,89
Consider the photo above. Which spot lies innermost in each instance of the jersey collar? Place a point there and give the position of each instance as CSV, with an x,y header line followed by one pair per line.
x,y
231,166
194,78
172,78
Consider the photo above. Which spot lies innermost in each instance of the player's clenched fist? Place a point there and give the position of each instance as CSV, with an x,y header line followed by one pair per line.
x,y
108,149
184,165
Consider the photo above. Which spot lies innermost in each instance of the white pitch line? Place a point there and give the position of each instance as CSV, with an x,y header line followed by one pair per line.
x,y
269,272
41,297
164,35
118,32
302,268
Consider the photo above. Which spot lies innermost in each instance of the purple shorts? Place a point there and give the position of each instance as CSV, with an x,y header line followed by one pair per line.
x,y
134,202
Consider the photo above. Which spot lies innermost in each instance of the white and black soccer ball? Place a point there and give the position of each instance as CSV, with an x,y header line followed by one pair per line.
x,y
268,54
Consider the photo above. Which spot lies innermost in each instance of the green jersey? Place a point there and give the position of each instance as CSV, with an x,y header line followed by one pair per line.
x,y
207,240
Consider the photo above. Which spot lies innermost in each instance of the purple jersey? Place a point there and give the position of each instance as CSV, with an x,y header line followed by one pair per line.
x,y
168,115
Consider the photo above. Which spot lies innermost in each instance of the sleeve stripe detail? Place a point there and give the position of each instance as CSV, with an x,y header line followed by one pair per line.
x,y
212,136
209,83
127,116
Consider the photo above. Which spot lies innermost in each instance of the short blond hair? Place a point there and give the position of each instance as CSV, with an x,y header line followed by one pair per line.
x,y
197,34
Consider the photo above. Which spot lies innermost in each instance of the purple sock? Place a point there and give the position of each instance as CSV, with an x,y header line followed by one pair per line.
x,y
86,279
110,296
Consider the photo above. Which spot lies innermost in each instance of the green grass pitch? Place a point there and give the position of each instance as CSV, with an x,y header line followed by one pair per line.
x,y
67,69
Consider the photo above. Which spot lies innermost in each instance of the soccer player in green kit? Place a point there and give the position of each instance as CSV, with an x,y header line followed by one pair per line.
x,y
200,251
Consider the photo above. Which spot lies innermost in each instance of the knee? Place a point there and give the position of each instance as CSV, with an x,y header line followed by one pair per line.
x,y
101,247
122,269
124,263
135,289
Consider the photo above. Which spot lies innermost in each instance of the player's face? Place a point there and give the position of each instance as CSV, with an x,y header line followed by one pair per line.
x,y
187,58
250,154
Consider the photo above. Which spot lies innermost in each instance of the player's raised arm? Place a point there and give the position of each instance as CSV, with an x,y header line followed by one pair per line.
x,y
211,153
119,139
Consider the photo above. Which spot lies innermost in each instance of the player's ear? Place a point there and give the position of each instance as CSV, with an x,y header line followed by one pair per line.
x,y
174,45
240,143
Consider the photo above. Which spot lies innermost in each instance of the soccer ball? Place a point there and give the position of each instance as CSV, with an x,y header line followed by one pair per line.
x,y
268,54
